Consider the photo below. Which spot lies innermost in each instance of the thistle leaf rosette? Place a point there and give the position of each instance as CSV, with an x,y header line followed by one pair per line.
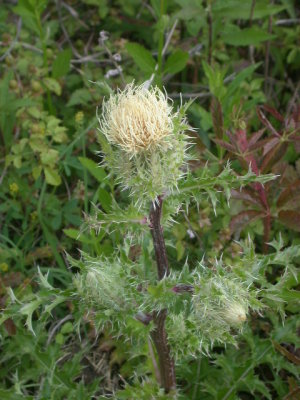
x,y
145,147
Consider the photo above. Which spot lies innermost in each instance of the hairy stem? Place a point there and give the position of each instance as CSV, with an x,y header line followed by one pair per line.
x,y
158,239
159,334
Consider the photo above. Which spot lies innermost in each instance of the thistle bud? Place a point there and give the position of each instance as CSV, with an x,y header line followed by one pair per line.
x,y
235,314
148,148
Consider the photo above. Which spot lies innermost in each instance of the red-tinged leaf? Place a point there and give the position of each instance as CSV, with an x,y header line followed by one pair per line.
x,y
295,137
256,136
225,145
273,157
231,137
217,117
290,197
243,219
291,219
258,145
270,144
297,147
274,112
246,195
296,116
266,122
241,138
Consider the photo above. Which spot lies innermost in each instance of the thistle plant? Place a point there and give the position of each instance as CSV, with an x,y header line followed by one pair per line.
x,y
183,313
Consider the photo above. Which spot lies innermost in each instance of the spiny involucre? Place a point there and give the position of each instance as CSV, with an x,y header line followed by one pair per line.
x,y
146,148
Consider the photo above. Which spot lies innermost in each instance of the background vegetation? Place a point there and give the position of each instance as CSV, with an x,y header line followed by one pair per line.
x,y
239,62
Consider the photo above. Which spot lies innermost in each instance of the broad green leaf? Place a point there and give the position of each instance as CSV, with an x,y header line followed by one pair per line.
x,y
67,328
37,143
61,64
17,161
215,78
142,57
80,96
25,9
235,36
34,112
105,199
94,169
52,85
75,234
50,157
52,176
176,62
236,9
240,77
36,172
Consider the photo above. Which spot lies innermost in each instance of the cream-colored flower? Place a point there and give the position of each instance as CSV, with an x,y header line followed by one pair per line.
x,y
235,314
137,119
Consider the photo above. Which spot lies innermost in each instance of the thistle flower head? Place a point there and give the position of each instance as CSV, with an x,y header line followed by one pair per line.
x,y
143,142
137,119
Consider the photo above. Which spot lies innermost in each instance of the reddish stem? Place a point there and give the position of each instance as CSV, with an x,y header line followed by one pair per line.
x,y
159,334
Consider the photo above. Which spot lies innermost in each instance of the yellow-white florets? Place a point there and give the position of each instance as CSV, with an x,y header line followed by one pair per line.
x,y
137,119
235,314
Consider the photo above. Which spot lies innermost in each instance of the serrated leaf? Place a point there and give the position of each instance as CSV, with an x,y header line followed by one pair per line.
x,y
142,57
176,62
44,280
50,157
61,65
52,85
52,176
80,96
58,300
28,309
